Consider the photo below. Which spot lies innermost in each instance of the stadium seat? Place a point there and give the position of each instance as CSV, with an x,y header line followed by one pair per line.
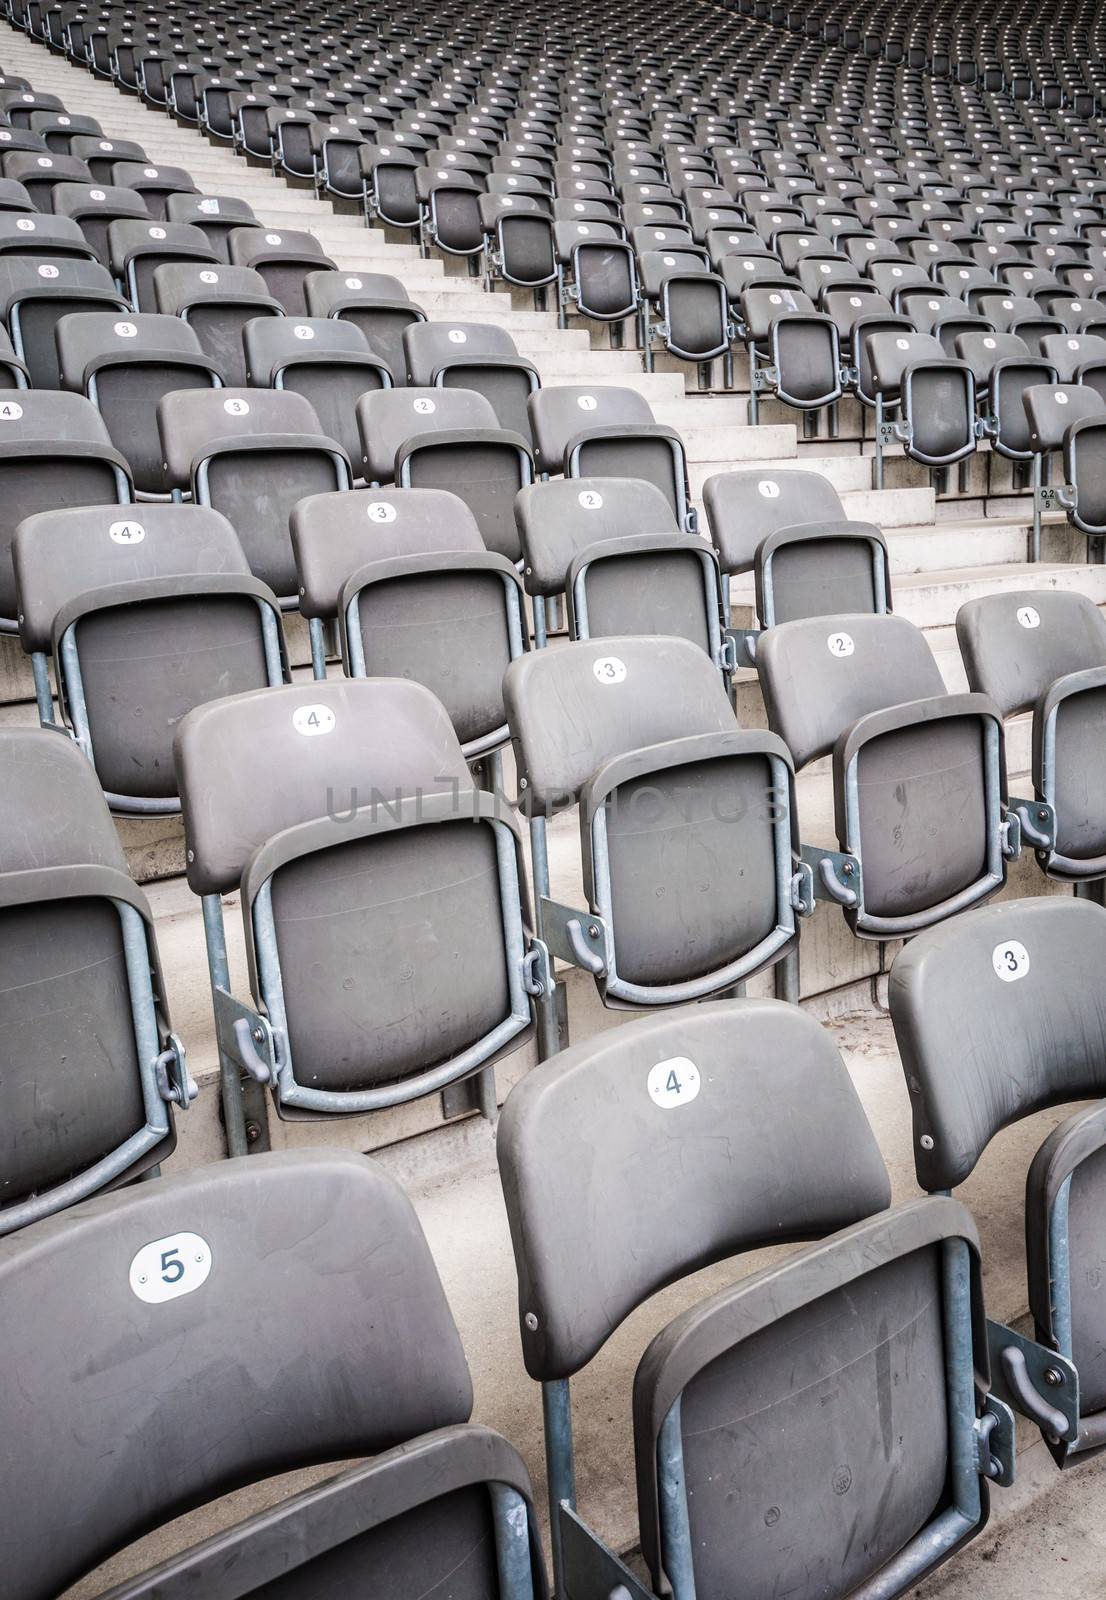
x,y
124,365
83,1002
216,302
417,595
919,784
283,259
137,249
382,895
609,432
36,295
375,302
328,361
1066,419
387,1381
758,1409
450,439
476,356
677,805
145,615
1017,979
251,454
1045,653
930,396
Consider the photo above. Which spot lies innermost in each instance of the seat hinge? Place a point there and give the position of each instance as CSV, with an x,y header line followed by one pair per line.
x,y
174,1083
578,937
248,1038
1036,822
994,1432
740,647
537,970
1038,1382
836,875
1055,497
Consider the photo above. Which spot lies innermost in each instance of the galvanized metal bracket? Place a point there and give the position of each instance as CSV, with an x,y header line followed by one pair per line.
x,y
589,1570
174,1084
1036,822
575,936
739,647
246,1037
1055,497
1039,1383
995,1436
537,970
766,380
835,875
802,890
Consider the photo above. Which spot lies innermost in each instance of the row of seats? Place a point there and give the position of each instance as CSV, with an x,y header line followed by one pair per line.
x,y
853,1382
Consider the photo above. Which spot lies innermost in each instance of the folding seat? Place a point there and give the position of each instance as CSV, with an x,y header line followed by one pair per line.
x,y
808,559
34,296
477,356
1077,358
417,595
639,732
444,438
518,242
335,149
792,350
283,259
100,155
613,548
108,595
704,220
13,372
608,432
55,451
375,302
1067,418
154,184
1077,316
19,103
601,266
1020,977
13,196
329,362
43,237
1002,368
804,1351
381,895
449,212
137,249
588,211
39,173
946,319
691,310
216,215
1045,653
124,365
931,395
95,208
1016,314
216,302
441,1503
251,454
57,129
919,778
83,1004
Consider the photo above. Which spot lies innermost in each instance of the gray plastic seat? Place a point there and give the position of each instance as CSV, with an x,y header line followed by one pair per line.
x,y
1045,652
390,195
692,309
46,238
124,365
146,615
39,173
100,154
433,438
998,1015
381,894
608,432
82,1010
154,183
251,454
373,301
449,208
473,355
793,350
919,779
216,302
518,231
406,574
94,207
55,451
640,733
370,1365
930,395
216,215
36,295
612,545
1076,357
743,508
599,272
137,249
284,259
327,361
687,1162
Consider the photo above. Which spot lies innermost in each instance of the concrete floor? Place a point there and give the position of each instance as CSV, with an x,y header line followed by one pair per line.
x,y
1048,1534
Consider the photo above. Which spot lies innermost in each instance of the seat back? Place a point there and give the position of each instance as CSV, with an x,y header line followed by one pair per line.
x,y
108,594
817,569
328,361
1051,409
173,1276
1015,646
381,892
283,259
217,302
125,365
559,520
251,454
743,508
34,296
475,356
